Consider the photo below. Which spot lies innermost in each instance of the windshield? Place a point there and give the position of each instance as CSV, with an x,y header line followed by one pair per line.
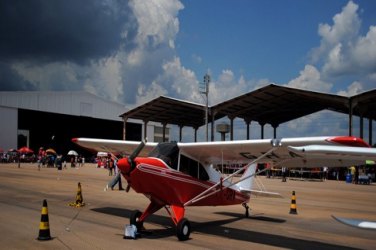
x,y
168,152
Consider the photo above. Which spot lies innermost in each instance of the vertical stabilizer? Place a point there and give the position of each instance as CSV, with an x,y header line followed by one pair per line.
x,y
246,185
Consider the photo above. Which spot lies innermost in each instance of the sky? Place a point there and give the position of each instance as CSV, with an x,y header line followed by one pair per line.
x,y
133,51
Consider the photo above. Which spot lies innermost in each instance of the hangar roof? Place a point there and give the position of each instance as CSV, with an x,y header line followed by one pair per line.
x,y
271,104
275,104
169,111
365,103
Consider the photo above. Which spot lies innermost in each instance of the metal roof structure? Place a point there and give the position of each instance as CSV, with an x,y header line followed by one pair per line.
x,y
168,110
364,104
272,104
275,104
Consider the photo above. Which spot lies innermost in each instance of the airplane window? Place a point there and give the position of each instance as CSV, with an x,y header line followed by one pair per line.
x,y
168,152
193,168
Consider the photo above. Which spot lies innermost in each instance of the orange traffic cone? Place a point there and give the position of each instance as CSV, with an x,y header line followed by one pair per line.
x,y
44,225
79,199
293,204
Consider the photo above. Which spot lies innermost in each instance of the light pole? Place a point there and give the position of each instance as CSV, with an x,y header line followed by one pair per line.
x,y
204,89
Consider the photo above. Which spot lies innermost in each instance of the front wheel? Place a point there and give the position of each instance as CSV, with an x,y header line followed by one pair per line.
x,y
183,229
135,219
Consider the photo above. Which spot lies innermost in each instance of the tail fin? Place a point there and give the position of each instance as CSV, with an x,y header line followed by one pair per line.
x,y
246,185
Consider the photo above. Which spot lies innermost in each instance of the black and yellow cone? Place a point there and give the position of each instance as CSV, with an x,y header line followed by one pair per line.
x,y
44,225
293,204
79,199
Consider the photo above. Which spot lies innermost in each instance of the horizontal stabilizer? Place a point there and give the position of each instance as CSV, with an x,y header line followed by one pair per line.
x,y
260,193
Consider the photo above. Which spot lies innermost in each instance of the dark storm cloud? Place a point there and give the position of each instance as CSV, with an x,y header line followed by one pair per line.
x,y
67,30
11,81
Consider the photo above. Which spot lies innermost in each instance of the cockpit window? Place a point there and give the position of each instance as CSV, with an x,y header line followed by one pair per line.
x,y
193,168
168,152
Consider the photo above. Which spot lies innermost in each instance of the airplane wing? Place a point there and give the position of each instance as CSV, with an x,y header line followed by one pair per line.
x,y
357,223
335,151
114,146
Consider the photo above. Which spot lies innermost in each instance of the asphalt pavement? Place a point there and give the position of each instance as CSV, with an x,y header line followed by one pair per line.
x,y
100,223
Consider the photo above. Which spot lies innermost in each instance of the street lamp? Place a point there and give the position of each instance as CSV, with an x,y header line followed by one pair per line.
x,y
204,89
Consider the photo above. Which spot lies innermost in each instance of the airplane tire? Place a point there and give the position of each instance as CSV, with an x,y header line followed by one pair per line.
x,y
183,229
134,219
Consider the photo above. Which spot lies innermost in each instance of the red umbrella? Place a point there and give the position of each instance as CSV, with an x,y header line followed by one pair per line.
x,y
25,150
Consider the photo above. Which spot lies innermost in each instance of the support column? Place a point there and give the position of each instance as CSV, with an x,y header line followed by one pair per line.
x,y
195,134
180,132
247,122
370,131
125,128
350,116
212,125
231,128
145,129
164,132
275,131
262,130
361,126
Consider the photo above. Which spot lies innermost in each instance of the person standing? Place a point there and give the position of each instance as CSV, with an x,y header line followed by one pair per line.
x,y
116,179
283,174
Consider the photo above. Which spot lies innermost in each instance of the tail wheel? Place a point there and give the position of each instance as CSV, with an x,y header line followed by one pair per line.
x,y
183,229
135,219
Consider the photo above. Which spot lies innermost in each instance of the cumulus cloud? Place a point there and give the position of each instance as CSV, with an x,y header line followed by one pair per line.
x,y
228,86
353,89
343,50
310,78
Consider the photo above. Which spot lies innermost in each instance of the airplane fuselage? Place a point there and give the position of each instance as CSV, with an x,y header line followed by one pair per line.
x,y
168,186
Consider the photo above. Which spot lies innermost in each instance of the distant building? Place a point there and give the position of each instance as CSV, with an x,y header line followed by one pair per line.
x,y
52,118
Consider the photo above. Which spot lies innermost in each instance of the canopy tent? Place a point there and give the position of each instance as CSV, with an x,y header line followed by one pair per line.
x,y
25,150
51,151
72,152
102,154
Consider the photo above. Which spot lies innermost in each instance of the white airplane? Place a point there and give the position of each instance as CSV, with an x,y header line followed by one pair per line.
x,y
179,175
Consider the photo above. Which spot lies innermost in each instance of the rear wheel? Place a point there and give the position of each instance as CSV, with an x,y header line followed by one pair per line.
x,y
183,229
135,219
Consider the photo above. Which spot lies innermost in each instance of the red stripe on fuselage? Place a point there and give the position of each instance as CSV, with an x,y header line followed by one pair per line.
x,y
153,178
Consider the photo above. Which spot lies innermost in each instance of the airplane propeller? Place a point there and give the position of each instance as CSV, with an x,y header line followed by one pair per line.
x,y
126,165
135,153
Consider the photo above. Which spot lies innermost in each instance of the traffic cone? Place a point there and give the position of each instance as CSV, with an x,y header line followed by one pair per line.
x,y
44,226
79,199
293,204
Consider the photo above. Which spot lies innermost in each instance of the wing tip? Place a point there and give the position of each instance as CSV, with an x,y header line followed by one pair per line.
x,y
349,141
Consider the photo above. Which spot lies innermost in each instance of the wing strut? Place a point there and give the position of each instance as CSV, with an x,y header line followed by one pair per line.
x,y
206,193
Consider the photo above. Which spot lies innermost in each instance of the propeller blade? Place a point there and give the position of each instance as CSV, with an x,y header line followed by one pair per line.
x,y
126,165
137,151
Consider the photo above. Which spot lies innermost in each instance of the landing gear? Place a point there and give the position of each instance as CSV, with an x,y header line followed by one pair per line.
x,y
135,219
183,229
245,205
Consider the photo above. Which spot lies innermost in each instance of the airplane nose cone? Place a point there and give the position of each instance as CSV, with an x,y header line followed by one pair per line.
x,y
124,165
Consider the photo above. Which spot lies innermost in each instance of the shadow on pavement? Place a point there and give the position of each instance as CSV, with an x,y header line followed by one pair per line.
x,y
218,228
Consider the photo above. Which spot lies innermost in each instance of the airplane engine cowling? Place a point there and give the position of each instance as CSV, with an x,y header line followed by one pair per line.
x,y
124,166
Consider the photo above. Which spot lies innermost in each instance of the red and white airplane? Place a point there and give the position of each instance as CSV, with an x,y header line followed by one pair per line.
x,y
178,175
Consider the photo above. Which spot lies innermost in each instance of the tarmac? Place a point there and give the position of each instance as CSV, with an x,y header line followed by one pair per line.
x,y
100,223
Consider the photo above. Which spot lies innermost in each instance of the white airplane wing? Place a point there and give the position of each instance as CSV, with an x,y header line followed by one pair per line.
x,y
364,224
288,152
114,146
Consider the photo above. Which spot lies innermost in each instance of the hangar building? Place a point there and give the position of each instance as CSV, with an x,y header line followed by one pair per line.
x,y
51,119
